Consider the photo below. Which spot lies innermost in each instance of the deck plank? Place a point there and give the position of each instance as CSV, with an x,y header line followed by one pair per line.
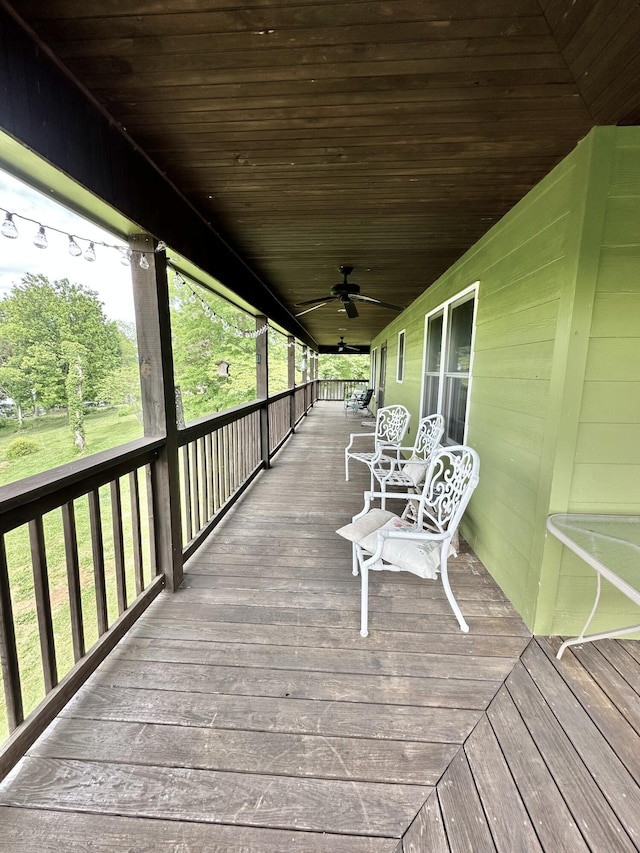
x,y
464,819
591,812
26,830
537,789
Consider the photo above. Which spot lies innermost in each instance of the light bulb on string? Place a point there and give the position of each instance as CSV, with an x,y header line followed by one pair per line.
x,y
143,263
161,247
8,227
40,240
74,249
177,278
125,255
90,253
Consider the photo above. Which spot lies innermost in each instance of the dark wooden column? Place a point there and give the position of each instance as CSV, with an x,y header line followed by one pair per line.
x,y
262,386
155,359
291,381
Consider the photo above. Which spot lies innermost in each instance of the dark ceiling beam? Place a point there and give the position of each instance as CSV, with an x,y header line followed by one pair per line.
x,y
46,110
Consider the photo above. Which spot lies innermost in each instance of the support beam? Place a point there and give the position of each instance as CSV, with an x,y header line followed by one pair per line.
x,y
155,356
262,387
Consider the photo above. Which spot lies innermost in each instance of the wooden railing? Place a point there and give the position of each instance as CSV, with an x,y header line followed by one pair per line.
x,y
89,533
89,529
339,389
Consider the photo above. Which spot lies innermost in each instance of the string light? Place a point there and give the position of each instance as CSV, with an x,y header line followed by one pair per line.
x,y
10,230
74,249
178,280
8,226
40,240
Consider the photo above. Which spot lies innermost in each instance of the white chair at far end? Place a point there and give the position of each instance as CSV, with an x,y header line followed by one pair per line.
x,y
408,474
391,427
385,541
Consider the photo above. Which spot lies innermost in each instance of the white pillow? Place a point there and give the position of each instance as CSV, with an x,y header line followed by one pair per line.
x,y
361,527
415,470
410,555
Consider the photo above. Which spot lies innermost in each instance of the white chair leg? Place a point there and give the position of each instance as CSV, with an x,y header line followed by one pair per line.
x,y
364,595
346,466
354,560
449,593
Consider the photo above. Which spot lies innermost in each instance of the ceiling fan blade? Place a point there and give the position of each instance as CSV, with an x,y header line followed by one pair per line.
x,y
307,310
379,302
350,308
317,299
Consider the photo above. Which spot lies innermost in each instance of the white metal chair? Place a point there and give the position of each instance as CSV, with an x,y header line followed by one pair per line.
x,y
408,474
391,427
384,541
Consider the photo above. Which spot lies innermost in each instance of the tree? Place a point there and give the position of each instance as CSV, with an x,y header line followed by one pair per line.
x,y
203,335
56,346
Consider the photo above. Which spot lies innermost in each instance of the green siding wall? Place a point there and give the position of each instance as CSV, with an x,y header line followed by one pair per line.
x,y
558,295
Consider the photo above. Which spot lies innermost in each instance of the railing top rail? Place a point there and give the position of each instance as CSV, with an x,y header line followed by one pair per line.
x,y
25,499
201,426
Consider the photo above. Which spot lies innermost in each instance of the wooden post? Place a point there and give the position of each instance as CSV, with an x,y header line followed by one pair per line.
x,y
305,373
291,384
155,358
262,387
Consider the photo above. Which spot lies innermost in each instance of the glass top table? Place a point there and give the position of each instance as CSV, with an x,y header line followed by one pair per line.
x,y
610,544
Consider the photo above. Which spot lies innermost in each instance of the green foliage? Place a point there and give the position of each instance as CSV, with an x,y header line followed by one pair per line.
x,y
20,447
344,367
200,342
56,346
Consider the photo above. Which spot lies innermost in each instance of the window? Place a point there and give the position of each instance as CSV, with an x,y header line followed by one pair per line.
x,y
447,363
400,363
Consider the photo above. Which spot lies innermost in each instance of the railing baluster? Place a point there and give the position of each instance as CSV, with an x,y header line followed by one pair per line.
x,y
205,478
97,551
210,474
136,531
73,579
43,603
8,649
118,546
150,480
186,489
195,486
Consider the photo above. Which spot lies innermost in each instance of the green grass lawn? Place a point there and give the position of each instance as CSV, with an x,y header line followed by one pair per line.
x,y
105,428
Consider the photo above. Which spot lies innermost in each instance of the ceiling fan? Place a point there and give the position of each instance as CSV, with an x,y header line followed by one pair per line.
x,y
343,345
348,294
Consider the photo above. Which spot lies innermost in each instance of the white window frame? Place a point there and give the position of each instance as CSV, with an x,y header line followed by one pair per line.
x,y
445,309
402,344
374,368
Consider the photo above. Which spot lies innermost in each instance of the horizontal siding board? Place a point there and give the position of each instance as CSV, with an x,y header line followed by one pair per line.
x,y
525,396
608,443
613,488
539,285
512,427
621,222
615,315
529,361
518,328
625,172
610,402
618,270
613,360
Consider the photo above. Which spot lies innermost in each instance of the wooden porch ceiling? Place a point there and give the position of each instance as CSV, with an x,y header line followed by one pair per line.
x,y
389,135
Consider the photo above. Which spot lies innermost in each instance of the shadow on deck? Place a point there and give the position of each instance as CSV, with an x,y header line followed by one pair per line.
x,y
246,713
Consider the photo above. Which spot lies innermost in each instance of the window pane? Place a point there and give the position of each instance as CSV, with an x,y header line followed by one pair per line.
x,y
455,408
459,351
430,395
434,343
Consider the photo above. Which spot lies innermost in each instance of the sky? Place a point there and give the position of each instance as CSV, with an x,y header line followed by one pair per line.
x,y
106,275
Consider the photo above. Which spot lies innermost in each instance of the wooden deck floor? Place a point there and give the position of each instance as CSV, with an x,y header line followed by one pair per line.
x,y
246,713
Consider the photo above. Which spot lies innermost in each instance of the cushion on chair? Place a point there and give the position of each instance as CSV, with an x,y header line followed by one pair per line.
x,y
361,527
415,469
409,555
